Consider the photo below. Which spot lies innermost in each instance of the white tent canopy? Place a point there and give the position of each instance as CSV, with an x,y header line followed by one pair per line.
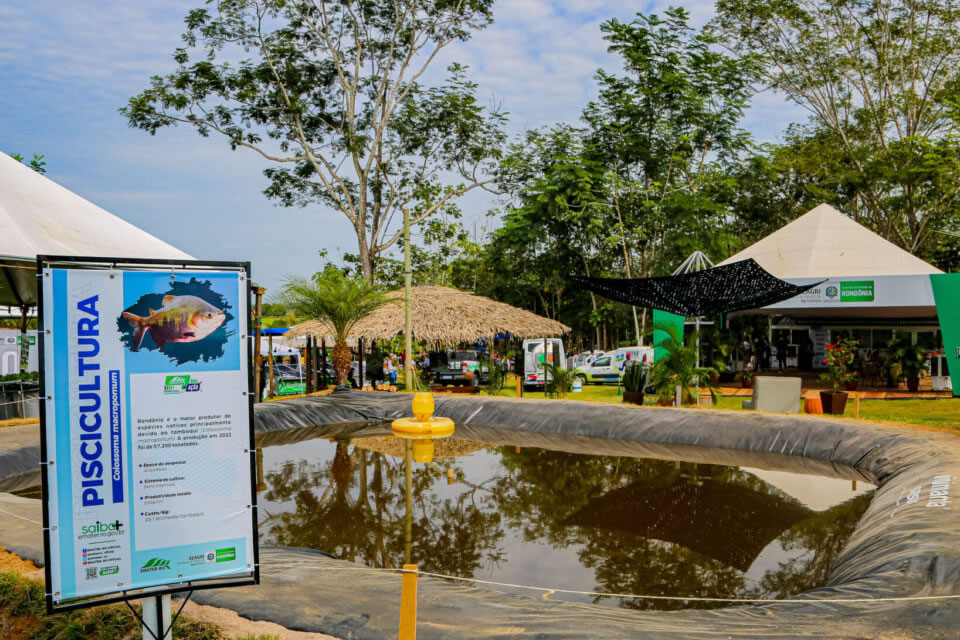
x,y
38,216
825,243
859,274
279,349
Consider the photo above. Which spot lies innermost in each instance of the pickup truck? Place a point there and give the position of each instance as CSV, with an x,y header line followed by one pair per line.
x,y
454,373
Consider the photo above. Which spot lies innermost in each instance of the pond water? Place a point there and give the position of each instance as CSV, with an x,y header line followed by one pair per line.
x,y
561,520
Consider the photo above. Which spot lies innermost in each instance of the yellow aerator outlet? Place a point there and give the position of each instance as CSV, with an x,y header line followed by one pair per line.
x,y
423,424
422,428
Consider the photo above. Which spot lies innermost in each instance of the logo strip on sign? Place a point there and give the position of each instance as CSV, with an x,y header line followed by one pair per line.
x,y
136,428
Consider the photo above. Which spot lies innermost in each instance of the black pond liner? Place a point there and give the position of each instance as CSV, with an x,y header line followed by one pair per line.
x,y
903,546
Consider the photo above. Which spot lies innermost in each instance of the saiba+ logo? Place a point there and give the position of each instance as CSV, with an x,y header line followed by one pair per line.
x,y
102,527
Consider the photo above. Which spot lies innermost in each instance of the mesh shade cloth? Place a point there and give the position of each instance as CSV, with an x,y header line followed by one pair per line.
x,y
731,287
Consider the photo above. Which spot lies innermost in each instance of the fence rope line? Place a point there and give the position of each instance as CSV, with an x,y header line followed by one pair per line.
x,y
548,591
2,404
21,517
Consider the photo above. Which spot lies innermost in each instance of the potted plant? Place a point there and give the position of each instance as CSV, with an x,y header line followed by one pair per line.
x,y
910,361
838,359
746,378
853,378
678,368
634,379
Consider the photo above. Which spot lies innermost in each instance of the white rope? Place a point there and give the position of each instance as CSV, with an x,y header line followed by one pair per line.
x,y
549,591
17,401
21,517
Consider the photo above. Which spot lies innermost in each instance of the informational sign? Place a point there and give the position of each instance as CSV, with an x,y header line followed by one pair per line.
x,y
873,291
10,351
820,337
147,429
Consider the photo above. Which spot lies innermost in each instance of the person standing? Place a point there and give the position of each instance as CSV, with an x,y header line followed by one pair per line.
x,y
782,352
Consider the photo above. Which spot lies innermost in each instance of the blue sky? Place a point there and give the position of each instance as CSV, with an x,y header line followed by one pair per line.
x,y
66,67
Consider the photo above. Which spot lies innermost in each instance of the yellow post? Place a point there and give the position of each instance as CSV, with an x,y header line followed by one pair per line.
x,y
519,386
856,405
408,603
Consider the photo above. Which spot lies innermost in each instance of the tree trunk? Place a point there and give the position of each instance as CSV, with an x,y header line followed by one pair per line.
x,y
367,259
340,359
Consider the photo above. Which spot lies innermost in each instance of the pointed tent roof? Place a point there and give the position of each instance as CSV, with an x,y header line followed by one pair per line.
x,y
38,216
825,243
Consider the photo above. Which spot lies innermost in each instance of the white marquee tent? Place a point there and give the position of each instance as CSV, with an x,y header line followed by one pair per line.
x,y
862,274
825,243
38,216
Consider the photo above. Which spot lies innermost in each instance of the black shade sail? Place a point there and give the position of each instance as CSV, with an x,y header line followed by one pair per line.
x,y
731,287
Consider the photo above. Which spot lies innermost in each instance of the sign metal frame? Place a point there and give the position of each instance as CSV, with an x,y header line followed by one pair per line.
x,y
123,595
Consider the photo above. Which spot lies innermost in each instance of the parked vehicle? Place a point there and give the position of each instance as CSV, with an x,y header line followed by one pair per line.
x,y
608,367
580,359
462,367
534,375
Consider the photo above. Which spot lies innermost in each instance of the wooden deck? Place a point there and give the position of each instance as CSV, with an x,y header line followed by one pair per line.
x,y
811,386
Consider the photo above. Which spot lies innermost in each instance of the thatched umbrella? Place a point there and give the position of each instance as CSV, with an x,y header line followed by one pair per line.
x,y
442,314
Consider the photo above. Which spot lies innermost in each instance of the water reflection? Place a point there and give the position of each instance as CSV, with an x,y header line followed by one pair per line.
x,y
547,518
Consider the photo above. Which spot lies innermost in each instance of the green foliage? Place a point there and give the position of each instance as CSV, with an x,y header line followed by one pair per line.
x,y
839,357
911,358
22,601
332,297
37,163
329,93
559,381
883,94
496,373
627,193
677,367
635,378
25,376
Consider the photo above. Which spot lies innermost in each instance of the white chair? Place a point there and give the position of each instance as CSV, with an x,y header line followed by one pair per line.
x,y
775,394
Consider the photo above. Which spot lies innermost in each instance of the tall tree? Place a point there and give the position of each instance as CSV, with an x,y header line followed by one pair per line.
x,y
881,76
660,128
330,93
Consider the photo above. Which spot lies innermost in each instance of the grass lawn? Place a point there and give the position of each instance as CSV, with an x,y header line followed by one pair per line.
x,y
941,412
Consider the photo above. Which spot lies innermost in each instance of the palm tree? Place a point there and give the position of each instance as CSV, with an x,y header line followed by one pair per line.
x,y
336,299
678,367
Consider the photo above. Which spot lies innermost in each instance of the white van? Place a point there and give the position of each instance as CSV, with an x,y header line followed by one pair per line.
x,y
533,359
608,367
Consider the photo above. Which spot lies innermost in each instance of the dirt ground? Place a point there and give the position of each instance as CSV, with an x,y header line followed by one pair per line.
x,y
12,562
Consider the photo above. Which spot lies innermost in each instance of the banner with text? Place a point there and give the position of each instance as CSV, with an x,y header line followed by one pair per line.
x,y
147,429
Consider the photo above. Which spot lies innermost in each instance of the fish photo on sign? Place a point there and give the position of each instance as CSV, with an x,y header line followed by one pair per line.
x,y
187,322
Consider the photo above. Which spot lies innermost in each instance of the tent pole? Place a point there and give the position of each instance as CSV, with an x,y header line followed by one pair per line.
x,y
698,360
270,362
323,362
309,365
360,360
257,322
409,378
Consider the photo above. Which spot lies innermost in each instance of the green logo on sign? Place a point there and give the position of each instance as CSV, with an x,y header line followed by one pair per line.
x,y
856,291
31,340
226,555
155,564
180,384
109,571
